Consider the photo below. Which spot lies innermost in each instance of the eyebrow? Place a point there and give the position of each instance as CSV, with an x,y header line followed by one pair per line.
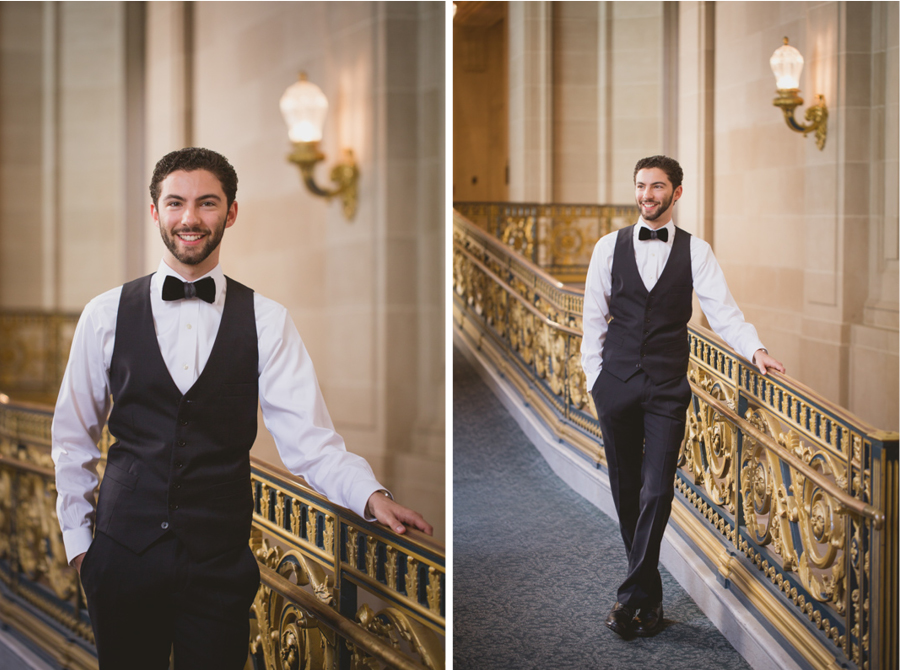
x,y
653,183
174,196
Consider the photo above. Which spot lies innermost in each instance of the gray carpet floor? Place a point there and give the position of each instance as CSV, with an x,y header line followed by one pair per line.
x,y
536,566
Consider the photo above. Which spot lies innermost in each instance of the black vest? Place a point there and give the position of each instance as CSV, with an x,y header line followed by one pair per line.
x,y
181,463
648,331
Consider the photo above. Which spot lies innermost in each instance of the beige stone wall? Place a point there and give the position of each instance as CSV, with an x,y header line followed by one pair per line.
x,y
65,209
808,238
530,102
634,72
481,107
576,121
22,258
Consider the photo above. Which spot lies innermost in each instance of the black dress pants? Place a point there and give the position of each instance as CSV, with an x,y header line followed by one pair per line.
x,y
143,604
643,427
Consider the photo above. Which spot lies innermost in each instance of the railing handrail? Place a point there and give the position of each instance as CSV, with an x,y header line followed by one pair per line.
x,y
412,536
852,504
531,308
549,205
333,620
795,385
492,241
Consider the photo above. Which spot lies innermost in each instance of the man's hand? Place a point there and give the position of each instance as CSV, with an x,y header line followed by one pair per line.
x,y
394,515
76,563
763,361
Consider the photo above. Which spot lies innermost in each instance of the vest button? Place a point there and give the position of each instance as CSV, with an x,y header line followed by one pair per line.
x,y
179,464
181,443
183,422
177,487
173,507
164,525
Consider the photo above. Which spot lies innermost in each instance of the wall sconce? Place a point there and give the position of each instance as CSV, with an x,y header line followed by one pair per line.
x,y
787,64
304,106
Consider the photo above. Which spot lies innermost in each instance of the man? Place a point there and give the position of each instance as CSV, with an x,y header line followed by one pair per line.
x,y
184,354
637,303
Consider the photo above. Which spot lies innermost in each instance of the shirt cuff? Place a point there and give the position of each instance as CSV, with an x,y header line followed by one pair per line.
x,y
590,381
358,504
77,541
752,351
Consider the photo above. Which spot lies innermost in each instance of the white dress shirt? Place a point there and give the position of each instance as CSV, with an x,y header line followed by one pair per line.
x,y
292,404
716,300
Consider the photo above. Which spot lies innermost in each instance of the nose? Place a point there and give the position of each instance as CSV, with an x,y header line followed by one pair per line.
x,y
189,215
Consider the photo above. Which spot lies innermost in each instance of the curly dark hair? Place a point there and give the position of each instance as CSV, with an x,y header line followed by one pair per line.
x,y
195,158
668,165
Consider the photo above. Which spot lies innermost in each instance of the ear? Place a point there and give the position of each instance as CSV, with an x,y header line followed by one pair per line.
x,y
232,215
676,195
154,214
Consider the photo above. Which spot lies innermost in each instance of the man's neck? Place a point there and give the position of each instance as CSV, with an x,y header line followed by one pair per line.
x,y
657,224
189,273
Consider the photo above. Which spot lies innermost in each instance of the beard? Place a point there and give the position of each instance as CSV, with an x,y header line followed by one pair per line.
x,y
663,207
193,255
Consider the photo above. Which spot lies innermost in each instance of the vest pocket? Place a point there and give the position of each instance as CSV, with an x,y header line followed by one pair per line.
x,y
127,479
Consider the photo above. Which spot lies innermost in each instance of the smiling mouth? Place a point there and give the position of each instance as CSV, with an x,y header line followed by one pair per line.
x,y
189,237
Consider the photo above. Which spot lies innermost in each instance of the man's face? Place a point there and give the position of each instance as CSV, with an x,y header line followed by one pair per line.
x,y
192,216
654,195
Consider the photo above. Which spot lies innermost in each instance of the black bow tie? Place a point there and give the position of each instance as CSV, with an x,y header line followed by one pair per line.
x,y
647,234
175,289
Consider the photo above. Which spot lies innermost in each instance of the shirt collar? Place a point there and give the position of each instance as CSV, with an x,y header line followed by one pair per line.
x,y
164,271
670,226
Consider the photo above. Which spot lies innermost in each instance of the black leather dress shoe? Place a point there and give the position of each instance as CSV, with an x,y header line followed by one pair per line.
x,y
619,619
649,621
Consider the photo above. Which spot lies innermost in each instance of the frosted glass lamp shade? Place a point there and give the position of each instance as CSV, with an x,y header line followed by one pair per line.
x,y
304,107
787,64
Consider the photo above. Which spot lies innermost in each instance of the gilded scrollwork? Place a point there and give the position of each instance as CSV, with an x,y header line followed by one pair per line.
x,y
577,384
518,234
711,442
402,633
283,633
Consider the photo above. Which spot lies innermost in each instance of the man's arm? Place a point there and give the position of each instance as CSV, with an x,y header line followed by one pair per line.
x,y
294,412
597,289
724,316
81,410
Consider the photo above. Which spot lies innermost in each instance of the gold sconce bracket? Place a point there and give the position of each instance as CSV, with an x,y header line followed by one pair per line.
x,y
789,99
344,176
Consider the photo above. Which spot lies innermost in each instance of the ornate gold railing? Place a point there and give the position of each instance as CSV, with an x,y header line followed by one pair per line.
x,y
34,348
793,499
557,238
337,592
